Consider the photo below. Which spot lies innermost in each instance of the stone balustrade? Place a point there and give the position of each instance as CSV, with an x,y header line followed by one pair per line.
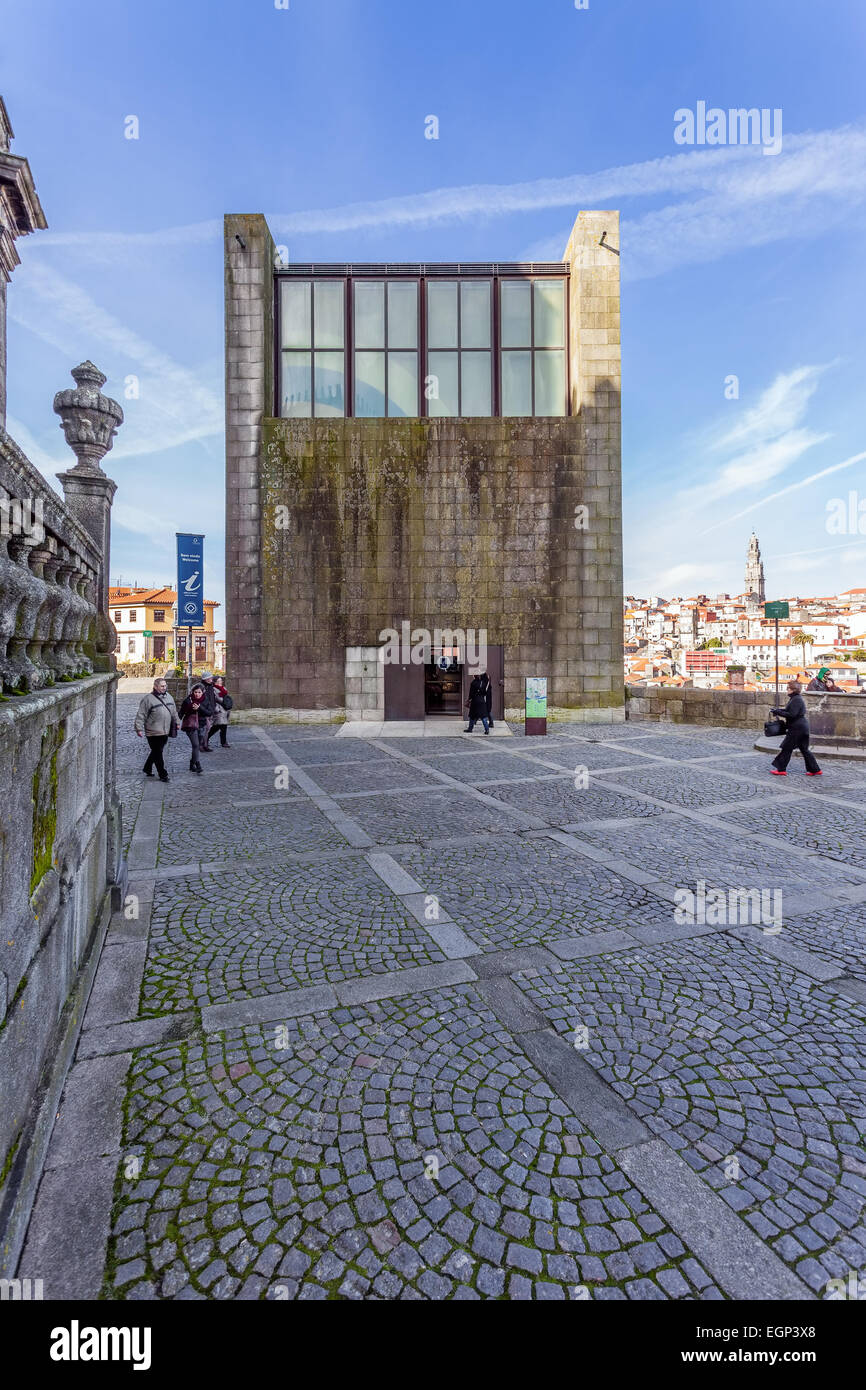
x,y
49,570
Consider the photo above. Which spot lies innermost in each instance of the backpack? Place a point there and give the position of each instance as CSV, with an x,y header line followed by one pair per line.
x,y
227,703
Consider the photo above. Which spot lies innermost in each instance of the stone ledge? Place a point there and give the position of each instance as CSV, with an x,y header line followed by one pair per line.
x,y
289,716
18,707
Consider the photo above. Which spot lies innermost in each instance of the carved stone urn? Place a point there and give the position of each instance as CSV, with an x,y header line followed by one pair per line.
x,y
88,419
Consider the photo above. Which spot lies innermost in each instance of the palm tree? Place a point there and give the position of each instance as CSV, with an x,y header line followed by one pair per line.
x,y
802,639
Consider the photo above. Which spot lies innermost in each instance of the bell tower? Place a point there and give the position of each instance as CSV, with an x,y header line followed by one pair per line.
x,y
754,571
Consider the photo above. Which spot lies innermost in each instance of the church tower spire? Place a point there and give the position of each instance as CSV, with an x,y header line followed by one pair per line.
x,y
754,571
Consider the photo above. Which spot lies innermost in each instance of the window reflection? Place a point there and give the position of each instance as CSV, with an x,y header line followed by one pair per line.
x,y
475,384
517,383
441,314
441,386
403,383
296,385
369,384
369,314
450,372
516,313
475,314
402,314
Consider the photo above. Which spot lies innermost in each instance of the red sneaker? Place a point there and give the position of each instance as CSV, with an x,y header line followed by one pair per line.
x,y
819,773
776,772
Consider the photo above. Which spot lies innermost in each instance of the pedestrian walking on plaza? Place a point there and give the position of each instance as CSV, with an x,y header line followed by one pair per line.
x,y
796,735
207,711
190,716
477,704
487,686
157,721
224,703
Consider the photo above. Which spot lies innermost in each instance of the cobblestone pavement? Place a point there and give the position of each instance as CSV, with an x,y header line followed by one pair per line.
x,y
426,1019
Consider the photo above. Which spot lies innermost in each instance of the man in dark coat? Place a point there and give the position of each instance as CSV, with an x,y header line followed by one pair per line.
x,y
487,686
477,703
797,735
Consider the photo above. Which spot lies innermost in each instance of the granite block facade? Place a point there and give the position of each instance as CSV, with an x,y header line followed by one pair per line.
x,y
339,529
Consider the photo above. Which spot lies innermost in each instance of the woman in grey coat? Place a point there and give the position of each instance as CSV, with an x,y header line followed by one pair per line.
x,y
154,722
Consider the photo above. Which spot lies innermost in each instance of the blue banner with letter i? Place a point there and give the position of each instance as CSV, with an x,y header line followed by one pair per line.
x,y
190,580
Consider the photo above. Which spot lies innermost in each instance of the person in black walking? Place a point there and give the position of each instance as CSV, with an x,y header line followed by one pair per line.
x,y
190,715
477,703
487,687
796,736
157,715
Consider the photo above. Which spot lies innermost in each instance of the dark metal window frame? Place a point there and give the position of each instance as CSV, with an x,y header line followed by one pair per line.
x,y
495,274
532,349
459,350
313,279
384,280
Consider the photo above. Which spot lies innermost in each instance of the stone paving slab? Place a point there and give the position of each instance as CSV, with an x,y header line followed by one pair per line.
x,y
518,892
364,1042
403,1150
220,937
215,832
695,785
834,832
686,851
559,802
754,1074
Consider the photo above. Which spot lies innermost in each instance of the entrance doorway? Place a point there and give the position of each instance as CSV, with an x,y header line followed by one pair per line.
x,y
439,687
443,683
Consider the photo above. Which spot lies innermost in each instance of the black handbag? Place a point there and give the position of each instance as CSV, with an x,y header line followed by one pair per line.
x,y
774,727
227,702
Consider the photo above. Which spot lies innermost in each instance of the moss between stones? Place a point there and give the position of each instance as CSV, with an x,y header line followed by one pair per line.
x,y
45,804
10,1157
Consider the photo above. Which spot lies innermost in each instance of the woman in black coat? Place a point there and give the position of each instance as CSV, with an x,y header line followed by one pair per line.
x,y
477,703
796,736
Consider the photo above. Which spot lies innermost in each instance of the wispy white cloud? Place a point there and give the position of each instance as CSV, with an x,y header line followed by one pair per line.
x,y
728,199
792,487
766,440
176,404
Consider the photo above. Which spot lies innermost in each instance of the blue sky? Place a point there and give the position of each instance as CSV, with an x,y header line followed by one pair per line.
x,y
735,263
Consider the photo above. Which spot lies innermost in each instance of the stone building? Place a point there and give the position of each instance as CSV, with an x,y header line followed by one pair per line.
x,y
146,624
431,450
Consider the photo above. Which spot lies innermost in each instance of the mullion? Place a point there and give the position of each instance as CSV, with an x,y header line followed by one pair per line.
x,y
532,342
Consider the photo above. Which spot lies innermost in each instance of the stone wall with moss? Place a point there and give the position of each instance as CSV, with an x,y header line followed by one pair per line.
x,y
55,831
444,523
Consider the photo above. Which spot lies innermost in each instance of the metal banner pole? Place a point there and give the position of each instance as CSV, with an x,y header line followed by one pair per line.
x,y
189,662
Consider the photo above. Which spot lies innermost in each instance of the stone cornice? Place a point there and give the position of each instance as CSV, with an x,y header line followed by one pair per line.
x,y
20,208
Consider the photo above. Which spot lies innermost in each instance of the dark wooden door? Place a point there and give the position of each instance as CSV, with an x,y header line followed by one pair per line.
x,y
404,691
496,671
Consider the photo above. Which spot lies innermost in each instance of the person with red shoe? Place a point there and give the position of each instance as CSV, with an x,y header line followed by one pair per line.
x,y
796,736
